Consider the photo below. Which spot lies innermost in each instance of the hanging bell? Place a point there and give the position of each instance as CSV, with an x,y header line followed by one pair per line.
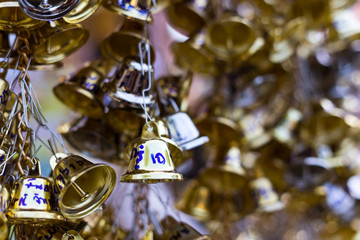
x,y
193,55
83,186
44,10
128,84
82,11
184,132
91,136
150,159
267,200
56,40
129,35
12,18
189,17
135,10
82,92
33,201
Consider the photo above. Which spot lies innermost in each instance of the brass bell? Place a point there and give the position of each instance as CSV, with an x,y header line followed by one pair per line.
x,y
45,10
150,159
12,18
184,132
56,40
189,17
82,11
82,92
229,36
4,198
267,200
254,132
91,136
33,201
129,35
4,229
193,55
136,10
128,84
83,186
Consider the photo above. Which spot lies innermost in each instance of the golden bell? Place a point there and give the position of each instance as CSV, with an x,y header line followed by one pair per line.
x,y
82,11
128,84
82,93
283,132
135,10
91,136
229,36
194,56
83,186
199,201
33,201
190,17
12,18
267,200
150,159
56,40
253,131
4,229
4,198
129,35
184,132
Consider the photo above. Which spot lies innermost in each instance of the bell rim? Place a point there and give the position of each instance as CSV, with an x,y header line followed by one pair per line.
x,y
35,66
83,14
67,211
80,91
133,15
197,142
144,177
27,215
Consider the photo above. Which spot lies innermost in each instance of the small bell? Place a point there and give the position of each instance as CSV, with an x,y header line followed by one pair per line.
x,y
128,84
83,186
82,92
56,40
135,10
33,201
190,17
91,136
45,10
150,159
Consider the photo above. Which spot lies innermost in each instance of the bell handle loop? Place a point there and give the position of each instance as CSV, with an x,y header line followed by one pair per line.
x,y
150,130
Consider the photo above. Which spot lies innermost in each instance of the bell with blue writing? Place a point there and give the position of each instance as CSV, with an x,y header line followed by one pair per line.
x,y
150,159
83,186
33,202
135,10
82,92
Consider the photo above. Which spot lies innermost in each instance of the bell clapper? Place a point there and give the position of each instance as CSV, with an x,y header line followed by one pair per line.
x,y
81,192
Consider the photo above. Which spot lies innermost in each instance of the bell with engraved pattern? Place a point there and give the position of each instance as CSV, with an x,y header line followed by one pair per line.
x,y
92,137
150,158
12,17
56,40
47,10
190,16
82,92
83,186
184,132
128,84
135,10
129,35
33,202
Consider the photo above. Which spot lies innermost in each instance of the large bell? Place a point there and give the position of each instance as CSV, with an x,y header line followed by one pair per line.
x,y
150,159
33,201
83,186
128,83
82,92
136,10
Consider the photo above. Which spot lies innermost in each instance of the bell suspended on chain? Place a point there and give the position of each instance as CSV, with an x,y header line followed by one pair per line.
x,y
135,10
128,84
45,10
91,137
193,55
83,186
266,199
12,18
82,11
33,201
150,159
129,35
56,40
82,92
189,17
